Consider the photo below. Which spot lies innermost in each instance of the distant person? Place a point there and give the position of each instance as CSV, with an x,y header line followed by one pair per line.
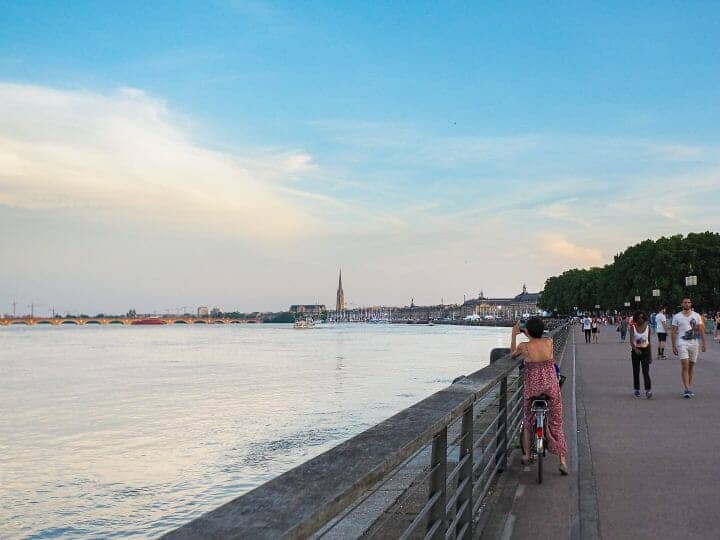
x,y
595,329
587,328
540,378
716,335
661,329
641,353
687,331
624,324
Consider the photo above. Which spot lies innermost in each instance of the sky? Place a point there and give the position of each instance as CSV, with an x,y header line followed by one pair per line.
x,y
167,155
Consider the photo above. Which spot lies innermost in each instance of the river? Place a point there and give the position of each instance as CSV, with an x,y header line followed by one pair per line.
x,y
130,431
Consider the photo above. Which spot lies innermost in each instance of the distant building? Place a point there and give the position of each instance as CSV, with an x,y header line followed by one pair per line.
x,y
340,301
215,312
314,310
516,307
203,311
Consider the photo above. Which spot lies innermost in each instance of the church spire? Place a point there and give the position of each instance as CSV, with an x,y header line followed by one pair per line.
x,y
524,289
340,302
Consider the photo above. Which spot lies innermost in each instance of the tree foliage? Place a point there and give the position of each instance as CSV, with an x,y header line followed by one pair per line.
x,y
661,264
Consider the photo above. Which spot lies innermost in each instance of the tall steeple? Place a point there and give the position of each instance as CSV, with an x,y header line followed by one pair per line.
x,y
524,289
340,302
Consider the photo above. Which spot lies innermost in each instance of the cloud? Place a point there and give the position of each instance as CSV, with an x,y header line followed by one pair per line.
x,y
125,156
569,253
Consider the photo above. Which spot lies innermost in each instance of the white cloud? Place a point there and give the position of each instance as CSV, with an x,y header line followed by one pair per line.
x,y
568,253
126,156
567,211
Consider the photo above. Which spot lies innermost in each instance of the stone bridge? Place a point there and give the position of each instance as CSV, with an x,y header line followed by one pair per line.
x,y
57,321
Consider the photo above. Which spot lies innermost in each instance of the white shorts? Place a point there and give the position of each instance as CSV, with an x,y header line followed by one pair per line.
x,y
688,349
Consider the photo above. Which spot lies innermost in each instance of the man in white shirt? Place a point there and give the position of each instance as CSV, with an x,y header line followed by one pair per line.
x,y
661,328
587,328
687,330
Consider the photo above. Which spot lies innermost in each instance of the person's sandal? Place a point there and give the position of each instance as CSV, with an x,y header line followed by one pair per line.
x,y
563,470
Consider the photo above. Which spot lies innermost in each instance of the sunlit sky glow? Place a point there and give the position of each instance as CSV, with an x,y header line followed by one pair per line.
x,y
235,154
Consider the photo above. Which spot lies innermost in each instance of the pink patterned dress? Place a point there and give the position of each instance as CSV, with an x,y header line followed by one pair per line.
x,y
540,378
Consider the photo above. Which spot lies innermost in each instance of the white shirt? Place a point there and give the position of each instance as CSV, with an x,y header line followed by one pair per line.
x,y
642,339
689,327
586,323
661,323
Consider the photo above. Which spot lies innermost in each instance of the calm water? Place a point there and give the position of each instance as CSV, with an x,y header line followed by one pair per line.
x,y
132,431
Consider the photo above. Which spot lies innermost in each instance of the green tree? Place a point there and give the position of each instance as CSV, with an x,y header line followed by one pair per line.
x,y
661,264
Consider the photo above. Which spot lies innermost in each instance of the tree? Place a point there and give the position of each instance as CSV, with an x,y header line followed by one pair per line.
x,y
661,264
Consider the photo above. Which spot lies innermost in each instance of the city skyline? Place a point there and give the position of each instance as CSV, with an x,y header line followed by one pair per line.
x,y
19,309
234,153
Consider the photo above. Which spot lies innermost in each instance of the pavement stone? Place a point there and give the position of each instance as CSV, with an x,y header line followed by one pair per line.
x,y
640,468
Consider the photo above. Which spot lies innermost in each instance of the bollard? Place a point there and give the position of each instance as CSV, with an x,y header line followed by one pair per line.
x,y
498,352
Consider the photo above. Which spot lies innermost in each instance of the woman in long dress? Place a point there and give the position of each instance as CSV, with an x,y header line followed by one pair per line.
x,y
540,378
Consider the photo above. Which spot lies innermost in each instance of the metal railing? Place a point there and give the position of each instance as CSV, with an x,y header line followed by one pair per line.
x,y
423,473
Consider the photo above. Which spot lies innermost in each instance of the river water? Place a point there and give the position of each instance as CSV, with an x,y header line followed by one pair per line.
x,y
127,431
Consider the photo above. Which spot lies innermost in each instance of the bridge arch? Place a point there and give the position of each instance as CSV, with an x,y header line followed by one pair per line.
x,y
199,322
20,322
179,321
93,321
70,321
116,321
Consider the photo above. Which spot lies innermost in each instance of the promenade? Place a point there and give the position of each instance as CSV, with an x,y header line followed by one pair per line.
x,y
639,468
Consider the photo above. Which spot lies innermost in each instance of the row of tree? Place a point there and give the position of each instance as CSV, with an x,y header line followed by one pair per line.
x,y
661,265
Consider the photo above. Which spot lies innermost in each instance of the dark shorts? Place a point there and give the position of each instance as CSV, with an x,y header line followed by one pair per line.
x,y
662,336
594,330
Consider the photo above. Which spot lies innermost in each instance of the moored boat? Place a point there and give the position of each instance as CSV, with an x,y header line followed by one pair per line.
x,y
304,323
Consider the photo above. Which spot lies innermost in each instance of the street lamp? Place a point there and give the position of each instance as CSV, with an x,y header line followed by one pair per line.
x,y
637,298
627,304
656,293
690,281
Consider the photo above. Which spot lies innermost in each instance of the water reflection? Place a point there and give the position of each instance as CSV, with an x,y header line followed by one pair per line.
x,y
132,431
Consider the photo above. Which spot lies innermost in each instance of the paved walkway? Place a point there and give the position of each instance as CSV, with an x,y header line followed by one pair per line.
x,y
641,468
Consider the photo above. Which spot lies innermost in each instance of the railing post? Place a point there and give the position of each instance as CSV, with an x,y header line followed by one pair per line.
x,y
465,473
438,480
503,425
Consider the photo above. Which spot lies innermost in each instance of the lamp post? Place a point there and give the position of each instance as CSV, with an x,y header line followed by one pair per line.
x,y
656,295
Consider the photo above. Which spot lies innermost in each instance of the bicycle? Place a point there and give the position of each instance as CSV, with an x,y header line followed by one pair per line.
x,y
539,407
538,443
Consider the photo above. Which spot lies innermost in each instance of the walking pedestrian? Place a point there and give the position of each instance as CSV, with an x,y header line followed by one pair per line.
x,y
662,328
641,353
687,331
587,326
653,321
624,323
595,329
716,335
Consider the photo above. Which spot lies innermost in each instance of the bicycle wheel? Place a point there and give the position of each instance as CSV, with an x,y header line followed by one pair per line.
x,y
540,456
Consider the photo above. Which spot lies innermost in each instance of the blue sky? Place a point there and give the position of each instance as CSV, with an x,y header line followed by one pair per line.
x,y
237,153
